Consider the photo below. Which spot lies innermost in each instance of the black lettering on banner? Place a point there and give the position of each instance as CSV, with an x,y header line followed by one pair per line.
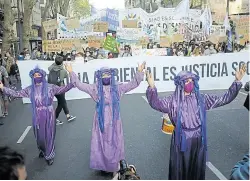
x,y
165,73
241,64
207,65
172,71
213,73
202,70
248,68
155,71
126,75
195,67
219,70
234,66
85,78
224,69
79,76
116,74
186,68
149,70
133,72
121,75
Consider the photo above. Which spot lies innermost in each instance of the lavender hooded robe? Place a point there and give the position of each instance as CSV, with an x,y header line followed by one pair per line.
x,y
188,115
43,116
107,143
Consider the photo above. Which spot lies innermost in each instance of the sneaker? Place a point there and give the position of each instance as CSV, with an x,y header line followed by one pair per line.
x,y
70,118
58,122
6,113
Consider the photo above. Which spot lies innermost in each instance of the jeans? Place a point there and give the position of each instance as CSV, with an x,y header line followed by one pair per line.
x,y
61,104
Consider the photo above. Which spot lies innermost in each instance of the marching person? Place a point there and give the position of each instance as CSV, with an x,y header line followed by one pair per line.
x,y
107,143
41,95
57,74
187,111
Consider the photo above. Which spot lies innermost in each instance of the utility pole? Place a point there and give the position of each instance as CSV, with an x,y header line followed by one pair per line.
x,y
228,7
19,27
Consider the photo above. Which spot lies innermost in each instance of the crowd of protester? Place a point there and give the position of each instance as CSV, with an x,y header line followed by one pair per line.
x,y
9,76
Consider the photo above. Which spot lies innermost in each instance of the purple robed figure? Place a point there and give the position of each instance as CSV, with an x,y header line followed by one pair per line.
x,y
41,95
107,143
187,108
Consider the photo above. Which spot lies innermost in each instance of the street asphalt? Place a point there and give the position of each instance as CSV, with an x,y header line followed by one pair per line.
x,y
145,145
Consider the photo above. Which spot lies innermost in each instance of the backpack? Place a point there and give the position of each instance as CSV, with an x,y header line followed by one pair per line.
x,y
54,77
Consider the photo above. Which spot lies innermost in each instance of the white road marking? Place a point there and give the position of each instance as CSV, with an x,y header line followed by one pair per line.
x,y
26,131
243,93
144,97
216,171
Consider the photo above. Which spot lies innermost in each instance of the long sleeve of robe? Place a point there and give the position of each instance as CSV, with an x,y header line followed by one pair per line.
x,y
107,147
44,124
190,164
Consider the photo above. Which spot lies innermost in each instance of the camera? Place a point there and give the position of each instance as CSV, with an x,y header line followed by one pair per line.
x,y
127,172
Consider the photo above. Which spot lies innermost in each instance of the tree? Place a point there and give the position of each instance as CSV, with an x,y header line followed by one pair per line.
x,y
9,19
64,7
28,6
80,8
48,5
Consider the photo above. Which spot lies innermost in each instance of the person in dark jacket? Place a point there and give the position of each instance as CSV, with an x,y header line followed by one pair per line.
x,y
61,101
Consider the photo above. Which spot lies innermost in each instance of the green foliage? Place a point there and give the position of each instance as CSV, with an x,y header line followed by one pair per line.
x,y
80,8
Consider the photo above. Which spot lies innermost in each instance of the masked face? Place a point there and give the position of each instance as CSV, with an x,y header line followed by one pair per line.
x,y
189,86
87,54
38,78
106,79
212,47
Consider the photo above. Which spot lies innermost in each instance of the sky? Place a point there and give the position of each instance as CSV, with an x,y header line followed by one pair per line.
x,y
101,4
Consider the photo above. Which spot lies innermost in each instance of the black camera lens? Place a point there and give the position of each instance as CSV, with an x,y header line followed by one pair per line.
x,y
123,165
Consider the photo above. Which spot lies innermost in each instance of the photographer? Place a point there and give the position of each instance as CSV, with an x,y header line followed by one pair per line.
x,y
126,172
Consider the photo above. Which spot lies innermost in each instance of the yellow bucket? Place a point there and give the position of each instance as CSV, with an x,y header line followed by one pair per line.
x,y
167,126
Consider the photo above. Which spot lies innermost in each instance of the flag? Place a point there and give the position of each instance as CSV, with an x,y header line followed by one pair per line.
x,y
93,10
182,9
226,23
206,19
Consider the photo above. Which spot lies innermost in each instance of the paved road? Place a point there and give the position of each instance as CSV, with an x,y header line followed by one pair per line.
x,y
146,146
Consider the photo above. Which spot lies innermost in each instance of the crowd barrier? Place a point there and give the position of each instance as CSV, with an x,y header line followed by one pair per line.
x,y
216,71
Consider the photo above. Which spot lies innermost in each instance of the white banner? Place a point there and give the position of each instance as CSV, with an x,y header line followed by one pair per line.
x,y
216,71
163,22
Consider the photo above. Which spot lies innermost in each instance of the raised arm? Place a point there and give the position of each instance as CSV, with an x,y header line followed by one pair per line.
x,y
135,82
160,104
24,93
213,101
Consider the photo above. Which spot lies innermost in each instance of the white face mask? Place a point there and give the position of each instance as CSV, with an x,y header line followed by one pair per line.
x,y
211,48
88,54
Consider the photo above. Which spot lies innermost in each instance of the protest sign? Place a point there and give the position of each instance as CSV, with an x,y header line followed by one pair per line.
x,y
165,41
129,23
72,23
110,44
50,25
100,27
95,42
